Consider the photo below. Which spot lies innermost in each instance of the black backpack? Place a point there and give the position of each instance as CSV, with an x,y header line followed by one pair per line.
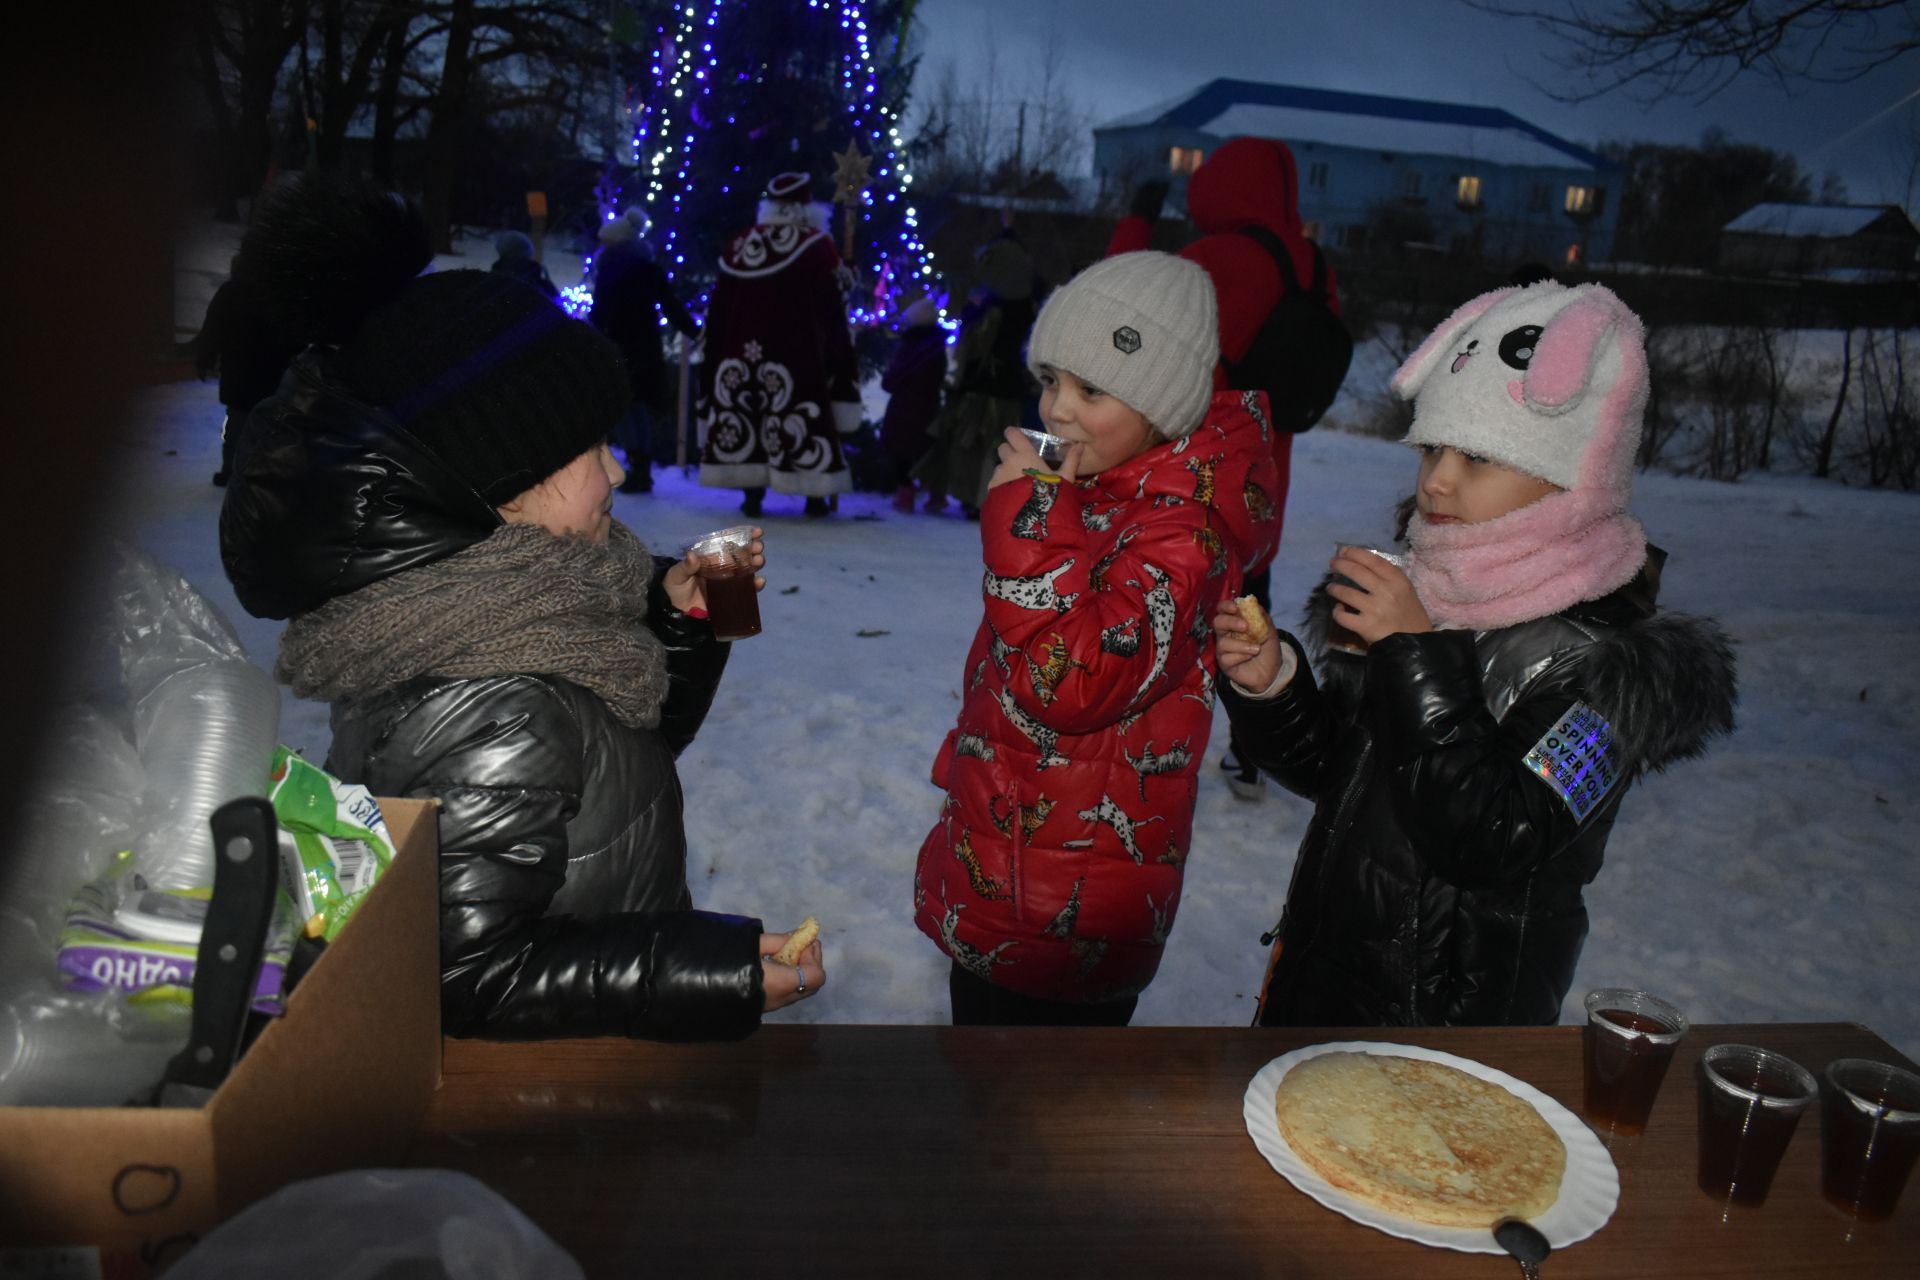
x,y
1299,355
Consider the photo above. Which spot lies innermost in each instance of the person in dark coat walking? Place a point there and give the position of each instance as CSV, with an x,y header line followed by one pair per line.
x,y
250,357
912,383
513,257
1516,679
1247,183
630,294
428,500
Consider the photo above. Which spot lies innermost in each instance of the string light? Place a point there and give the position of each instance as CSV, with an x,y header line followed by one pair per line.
x,y
683,73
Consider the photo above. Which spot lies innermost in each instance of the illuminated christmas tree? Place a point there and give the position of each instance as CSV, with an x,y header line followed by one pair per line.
x,y
739,90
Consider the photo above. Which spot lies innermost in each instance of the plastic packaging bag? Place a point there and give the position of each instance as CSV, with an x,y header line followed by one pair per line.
x,y
376,1224
333,842
59,1050
205,718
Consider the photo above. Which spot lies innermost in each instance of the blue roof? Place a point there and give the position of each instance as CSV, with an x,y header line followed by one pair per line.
x,y
1217,97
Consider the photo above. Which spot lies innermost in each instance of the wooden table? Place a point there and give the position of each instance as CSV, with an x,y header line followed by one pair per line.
x,y
934,1151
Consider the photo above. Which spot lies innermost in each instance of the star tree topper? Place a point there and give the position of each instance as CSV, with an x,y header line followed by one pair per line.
x,y
852,175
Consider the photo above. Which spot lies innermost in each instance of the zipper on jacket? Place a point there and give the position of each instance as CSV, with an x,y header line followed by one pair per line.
x,y
1335,826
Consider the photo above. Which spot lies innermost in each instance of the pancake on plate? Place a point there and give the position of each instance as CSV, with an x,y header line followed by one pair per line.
x,y
1420,1139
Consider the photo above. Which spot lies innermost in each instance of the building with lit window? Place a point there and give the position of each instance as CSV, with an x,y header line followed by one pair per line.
x,y
1378,172
1837,241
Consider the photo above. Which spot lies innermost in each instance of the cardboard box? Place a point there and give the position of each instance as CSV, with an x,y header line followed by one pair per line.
x,y
339,1082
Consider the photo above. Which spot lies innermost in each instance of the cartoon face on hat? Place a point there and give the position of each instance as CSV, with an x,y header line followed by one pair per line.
x,y
1548,380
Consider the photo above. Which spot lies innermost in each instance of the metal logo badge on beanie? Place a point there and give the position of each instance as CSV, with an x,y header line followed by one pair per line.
x,y
1144,327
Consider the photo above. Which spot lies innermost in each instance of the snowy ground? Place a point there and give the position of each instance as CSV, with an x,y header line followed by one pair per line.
x,y
1774,880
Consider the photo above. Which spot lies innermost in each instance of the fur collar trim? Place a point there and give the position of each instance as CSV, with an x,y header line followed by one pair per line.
x,y
788,213
1665,682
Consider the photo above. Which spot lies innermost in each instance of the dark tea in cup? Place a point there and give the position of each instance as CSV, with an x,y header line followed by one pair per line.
x,y
725,563
1629,1043
1339,638
1750,1102
1869,1135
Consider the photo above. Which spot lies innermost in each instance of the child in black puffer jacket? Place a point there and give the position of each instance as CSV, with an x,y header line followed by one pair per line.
x,y
428,499
1467,770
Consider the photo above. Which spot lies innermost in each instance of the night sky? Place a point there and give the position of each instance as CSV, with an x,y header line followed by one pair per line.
x,y
1118,56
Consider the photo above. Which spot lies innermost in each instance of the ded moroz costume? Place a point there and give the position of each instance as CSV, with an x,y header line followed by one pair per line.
x,y
777,378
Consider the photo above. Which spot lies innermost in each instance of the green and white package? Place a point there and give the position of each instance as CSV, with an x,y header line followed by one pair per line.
x,y
333,841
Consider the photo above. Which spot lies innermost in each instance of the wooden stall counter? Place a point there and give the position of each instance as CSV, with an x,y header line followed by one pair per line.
x,y
936,1151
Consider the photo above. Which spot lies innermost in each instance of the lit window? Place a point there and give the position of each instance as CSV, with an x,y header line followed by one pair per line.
x,y
1579,200
1572,256
1185,159
1317,175
1468,191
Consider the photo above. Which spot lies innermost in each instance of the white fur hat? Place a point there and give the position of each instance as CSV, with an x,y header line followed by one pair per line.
x,y
1546,379
1143,326
632,223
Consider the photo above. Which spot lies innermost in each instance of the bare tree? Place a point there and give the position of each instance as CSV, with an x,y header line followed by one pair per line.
x,y
1001,127
239,48
1696,48
1823,451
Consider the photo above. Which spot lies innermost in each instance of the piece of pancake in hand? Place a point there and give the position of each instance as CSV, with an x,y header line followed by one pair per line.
x,y
1258,625
1420,1139
797,941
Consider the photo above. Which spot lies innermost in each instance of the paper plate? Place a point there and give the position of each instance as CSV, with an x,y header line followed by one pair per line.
x,y
1589,1189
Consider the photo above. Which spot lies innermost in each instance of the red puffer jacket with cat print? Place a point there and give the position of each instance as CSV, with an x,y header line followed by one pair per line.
x,y
1054,869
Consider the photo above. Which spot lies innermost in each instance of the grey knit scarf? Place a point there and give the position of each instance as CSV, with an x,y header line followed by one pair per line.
x,y
523,602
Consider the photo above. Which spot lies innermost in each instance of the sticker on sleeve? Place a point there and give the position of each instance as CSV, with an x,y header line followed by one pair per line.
x,y
1576,758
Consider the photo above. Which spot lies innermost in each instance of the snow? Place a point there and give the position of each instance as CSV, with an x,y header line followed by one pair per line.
x,y
1772,880
1829,221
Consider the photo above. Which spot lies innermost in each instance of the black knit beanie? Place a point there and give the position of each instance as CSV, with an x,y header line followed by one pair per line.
x,y
490,375
484,370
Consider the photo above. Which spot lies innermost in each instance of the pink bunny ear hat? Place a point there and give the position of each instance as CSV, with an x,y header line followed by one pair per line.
x,y
1548,380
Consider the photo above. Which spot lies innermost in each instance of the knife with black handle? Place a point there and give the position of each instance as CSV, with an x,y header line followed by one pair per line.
x,y
231,947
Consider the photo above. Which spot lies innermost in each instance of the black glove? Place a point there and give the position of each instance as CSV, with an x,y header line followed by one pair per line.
x,y
1147,199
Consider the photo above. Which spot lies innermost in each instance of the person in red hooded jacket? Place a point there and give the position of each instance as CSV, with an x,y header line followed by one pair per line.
x,y
1248,182
1053,873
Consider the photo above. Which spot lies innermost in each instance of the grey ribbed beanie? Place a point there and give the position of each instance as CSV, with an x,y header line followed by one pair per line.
x,y
1143,326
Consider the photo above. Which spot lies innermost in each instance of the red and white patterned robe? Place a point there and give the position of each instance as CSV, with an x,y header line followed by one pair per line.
x,y
778,355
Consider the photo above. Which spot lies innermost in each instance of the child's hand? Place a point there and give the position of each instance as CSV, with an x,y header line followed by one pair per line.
x,y
1382,604
1018,456
687,593
781,983
1251,666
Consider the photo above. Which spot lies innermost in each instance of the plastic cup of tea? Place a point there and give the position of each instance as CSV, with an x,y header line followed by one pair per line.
x,y
1339,638
1629,1043
724,561
1051,448
1869,1135
1750,1102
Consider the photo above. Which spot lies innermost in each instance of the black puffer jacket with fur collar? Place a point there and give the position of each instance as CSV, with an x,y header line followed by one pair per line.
x,y
1465,784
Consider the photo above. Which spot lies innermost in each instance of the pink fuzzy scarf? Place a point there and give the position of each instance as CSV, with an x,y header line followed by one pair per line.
x,y
1527,564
